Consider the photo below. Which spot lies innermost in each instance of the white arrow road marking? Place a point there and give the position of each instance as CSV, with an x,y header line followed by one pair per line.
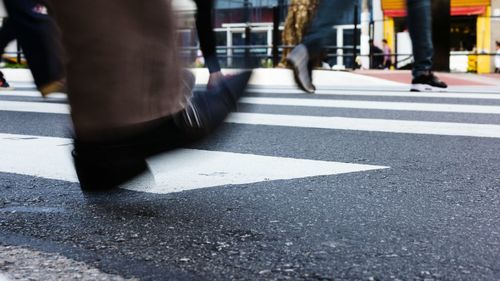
x,y
404,106
179,170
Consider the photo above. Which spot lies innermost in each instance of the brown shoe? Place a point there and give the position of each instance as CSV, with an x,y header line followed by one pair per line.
x,y
58,86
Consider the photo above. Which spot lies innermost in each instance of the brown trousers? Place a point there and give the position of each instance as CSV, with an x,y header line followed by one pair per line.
x,y
122,64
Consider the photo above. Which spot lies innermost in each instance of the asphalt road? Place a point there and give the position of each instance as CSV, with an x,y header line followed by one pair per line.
x,y
431,214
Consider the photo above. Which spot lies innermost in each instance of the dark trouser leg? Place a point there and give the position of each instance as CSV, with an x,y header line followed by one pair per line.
x,y
204,25
7,35
420,26
37,35
321,28
124,88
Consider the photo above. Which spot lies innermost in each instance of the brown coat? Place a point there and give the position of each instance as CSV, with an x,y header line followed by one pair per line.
x,y
122,66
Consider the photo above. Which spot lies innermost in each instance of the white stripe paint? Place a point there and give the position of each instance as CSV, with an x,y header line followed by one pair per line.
x,y
332,92
42,107
31,94
183,169
38,107
371,125
379,93
336,123
402,106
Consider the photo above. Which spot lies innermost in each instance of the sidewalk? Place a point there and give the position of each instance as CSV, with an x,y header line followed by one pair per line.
x,y
323,79
452,79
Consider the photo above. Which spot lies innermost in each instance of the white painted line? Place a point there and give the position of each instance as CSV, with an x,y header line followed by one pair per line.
x,y
183,169
370,125
336,123
3,277
38,107
42,107
378,93
402,106
332,92
32,94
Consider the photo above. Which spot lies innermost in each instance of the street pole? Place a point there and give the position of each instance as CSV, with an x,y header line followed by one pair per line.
x,y
355,35
276,35
441,18
365,34
248,41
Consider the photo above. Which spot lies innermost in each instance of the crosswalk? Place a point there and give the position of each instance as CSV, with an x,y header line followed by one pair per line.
x,y
276,108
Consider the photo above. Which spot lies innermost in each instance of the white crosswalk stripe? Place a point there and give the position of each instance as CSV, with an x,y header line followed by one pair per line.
x,y
402,106
22,154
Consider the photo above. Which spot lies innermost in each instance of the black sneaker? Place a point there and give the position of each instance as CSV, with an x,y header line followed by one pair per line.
x,y
4,85
103,166
428,83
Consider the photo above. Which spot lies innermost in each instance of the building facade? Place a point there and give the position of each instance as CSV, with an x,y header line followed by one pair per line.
x,y
473,31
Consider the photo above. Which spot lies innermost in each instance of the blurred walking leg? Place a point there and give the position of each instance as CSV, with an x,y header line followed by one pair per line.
x,y
38,37
125,89
312,45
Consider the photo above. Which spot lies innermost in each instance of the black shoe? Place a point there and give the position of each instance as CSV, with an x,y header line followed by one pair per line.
x,y
4,85
106,165
302,71
428,83
206,110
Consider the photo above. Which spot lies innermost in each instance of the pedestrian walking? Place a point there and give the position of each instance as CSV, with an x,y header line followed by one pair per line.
x,y
128,98
419,18
377,56
36,32
299,17
386,49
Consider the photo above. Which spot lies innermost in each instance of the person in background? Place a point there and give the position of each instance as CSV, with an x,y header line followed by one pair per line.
x,y
377,56
37,35
387,63
419,18
299,16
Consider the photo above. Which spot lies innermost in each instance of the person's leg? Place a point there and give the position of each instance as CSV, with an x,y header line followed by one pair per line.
x,y
7,34
312,45
37,35
122,66
321,28
420,26
206,34
125,90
